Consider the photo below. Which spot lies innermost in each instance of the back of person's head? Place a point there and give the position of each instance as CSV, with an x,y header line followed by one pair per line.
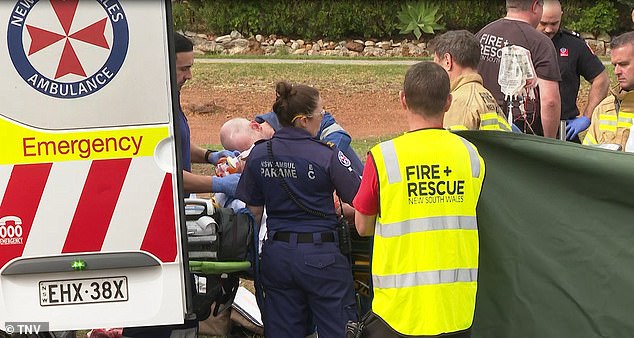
x,y
293,100
182,43
426,88
521,5
236,134
622,40
463,47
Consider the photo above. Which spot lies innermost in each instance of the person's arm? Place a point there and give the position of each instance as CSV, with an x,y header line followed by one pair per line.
x,y
197,153
257,212
366,203
364,223
598,91
193,183
550,106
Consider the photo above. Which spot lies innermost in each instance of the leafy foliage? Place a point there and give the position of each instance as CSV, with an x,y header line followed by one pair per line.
x,y
338,19
419,18
602,17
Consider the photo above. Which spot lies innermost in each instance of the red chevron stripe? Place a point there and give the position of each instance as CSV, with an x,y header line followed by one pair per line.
x,y
21,199
96,205
160,237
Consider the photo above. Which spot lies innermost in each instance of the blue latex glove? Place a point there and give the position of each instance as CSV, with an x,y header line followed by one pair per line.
x,y
576,125
226,185
217,155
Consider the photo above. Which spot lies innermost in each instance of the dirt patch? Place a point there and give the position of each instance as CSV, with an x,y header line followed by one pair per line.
x,y
362,114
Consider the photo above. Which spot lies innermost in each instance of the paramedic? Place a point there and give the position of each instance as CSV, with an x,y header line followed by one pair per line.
x,y
293,175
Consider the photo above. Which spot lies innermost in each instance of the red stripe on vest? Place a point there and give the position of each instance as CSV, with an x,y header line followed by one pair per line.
x,y
96,205
21,199
160,237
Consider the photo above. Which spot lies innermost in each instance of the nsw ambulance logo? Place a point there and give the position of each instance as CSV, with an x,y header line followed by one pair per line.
x,y
67,48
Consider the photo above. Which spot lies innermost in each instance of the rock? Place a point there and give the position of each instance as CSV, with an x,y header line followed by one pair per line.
x,y
316,47
238,50
208,47
586,35
369,43
385,45
308,46
240,43
259,38
300,51
358,41
301,43
223,39
202,36
605,37
320,43
294,45
279,43
235,35
355,46
269,50
597,46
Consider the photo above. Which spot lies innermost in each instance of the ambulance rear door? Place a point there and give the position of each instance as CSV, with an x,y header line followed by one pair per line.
x,y
90,225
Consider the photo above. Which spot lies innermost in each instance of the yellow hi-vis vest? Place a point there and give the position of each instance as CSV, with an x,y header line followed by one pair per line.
x,y
612,119
425,256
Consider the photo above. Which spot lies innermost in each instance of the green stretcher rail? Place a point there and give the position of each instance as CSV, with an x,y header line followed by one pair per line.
x,y
215,268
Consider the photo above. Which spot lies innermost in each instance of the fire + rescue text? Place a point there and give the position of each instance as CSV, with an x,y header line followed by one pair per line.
x,y
426,184
84,147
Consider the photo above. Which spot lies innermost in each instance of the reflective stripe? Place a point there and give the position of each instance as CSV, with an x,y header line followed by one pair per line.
x,y
489,122
473,156
391,162
607,122
426,224
624,122
329,130
627,115
503,124
458,127
607,117
589,139
425,278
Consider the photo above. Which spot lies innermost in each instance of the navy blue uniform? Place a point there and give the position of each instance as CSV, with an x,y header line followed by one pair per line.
x,y
329,131
575,59
302,268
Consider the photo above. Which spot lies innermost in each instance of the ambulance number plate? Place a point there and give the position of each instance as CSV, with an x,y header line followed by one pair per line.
x,y
82,291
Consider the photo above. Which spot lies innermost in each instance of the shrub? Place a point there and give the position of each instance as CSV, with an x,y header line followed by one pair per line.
x,y
601,17
338,19
471,15
419,18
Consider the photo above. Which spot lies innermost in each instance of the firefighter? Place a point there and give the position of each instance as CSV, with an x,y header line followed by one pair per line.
x,y
473,106
418,198
302,268
575,59
612,119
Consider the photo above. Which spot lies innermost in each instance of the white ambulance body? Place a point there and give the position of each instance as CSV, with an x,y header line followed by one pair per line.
x,y
89,200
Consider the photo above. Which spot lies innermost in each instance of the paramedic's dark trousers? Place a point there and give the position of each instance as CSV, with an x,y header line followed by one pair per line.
x,y
297,277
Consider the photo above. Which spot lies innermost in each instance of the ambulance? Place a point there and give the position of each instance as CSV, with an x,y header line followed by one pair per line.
x,y
90,176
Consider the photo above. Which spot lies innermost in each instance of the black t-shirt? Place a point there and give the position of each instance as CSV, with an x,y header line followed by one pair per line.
x,y
500,33
575,59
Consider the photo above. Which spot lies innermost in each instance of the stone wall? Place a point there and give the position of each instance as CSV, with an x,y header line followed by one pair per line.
x,y
235,43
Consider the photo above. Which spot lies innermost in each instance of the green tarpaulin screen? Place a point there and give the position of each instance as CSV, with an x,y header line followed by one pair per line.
x,y
556,224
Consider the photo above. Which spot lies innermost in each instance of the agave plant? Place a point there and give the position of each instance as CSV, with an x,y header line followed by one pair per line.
x,y
419,18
